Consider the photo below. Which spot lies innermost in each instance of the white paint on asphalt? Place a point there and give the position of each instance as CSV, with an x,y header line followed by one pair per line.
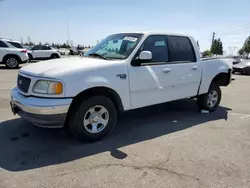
x,y
246,116
243,116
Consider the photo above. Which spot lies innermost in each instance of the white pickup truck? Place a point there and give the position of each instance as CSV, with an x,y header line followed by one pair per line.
x,y
125,71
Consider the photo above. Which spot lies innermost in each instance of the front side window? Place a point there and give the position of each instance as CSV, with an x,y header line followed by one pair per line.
x,y
46,48
157,45
36,48
16,44
118,46
3,45
180,49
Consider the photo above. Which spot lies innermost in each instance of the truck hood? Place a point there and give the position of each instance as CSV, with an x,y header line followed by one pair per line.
x,y
57,67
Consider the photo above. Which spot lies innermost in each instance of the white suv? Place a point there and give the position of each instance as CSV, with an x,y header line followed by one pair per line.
x,y
12,53
42,52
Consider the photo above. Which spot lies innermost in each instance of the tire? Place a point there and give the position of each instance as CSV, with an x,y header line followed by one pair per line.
x,y
11,62
206,102
93,112
54,56
247,71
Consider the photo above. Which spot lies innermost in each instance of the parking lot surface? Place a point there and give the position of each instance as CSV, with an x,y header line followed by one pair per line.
x,y
168,145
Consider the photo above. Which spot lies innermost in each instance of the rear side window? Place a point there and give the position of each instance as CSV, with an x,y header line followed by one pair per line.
x,y
3,45
180,49
36,48
16,44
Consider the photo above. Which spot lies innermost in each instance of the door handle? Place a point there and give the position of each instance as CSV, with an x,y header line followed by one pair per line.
x,y
166,70
195,67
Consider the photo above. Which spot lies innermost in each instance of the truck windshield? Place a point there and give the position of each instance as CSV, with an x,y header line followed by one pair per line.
x,y
117,46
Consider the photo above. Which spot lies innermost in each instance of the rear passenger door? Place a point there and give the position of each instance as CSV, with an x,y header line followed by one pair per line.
x,y
183,62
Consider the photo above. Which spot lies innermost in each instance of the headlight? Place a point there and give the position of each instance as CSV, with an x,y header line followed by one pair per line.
x,y
48,87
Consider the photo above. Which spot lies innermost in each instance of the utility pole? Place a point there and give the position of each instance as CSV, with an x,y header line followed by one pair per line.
x,y
68,33
212,39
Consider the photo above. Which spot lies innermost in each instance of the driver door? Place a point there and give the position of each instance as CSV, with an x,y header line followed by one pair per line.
x,y
152,82
36,52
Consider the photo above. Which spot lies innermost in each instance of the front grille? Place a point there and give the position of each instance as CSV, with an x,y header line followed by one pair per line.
x,y
23,83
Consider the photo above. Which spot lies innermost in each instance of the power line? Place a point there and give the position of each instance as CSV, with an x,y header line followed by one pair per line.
x,y
236,29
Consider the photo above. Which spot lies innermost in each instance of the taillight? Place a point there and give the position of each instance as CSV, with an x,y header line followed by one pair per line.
x,y
24,51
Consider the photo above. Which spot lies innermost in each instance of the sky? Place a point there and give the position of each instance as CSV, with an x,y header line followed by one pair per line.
x,y
92,20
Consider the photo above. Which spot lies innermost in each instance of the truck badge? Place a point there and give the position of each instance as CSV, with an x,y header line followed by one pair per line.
x,y
122,76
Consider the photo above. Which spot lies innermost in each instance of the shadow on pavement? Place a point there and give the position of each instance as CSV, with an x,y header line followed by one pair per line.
x,y
3,67
25,147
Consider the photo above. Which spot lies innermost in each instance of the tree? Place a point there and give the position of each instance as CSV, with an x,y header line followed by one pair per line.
x,y
241,51
217,47
220,47
246,46
207,53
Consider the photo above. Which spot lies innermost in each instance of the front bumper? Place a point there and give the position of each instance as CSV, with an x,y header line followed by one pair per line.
x,y
24,58
42,112
25,61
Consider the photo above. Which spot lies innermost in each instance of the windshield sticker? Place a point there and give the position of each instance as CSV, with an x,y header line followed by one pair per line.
x,y
131,39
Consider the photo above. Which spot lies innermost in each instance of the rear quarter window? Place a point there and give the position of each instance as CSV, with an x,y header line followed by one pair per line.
x,y
16,44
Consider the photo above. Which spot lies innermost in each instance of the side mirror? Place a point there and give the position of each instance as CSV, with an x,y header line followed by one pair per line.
x,y
145,55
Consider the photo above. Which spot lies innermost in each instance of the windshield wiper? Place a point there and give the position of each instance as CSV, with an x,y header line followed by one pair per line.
x,y
98,55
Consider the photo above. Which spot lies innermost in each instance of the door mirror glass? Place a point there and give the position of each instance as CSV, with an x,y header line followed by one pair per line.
x,y
145,55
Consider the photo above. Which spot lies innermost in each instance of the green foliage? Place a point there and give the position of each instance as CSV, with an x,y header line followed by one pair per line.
x,y
241,51
217,47
207,53
246,46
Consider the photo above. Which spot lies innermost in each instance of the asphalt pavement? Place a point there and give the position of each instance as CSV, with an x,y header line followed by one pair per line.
x,y
170,145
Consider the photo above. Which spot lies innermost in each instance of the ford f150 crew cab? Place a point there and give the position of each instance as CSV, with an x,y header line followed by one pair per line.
x,y
125,71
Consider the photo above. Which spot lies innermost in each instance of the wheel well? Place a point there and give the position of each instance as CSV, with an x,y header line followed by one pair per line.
x,y
96,91
54,54
222,79
12,55
30,55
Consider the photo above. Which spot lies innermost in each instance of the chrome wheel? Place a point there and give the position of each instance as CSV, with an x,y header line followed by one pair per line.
x,y
96,119
12,62
212,98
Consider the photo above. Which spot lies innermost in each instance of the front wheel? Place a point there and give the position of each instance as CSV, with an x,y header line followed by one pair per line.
x,y
54,56
93,119
211,100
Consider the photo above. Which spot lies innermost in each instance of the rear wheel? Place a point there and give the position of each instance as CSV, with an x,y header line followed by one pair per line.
x,y
11,62
93,119
211,100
